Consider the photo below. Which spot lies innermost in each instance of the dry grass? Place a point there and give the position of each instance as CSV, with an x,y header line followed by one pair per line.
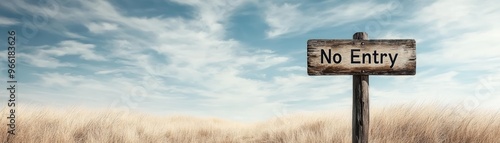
x,y
393,124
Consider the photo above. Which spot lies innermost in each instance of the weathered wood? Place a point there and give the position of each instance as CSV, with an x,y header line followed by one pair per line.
x,y
361,57
360,109
360,100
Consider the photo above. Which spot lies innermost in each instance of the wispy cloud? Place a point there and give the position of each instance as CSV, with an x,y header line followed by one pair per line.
x,y
448,16
190,57
466,32
101,27
46,56
459,51
4,21
297,19
293,68
44,61
85,51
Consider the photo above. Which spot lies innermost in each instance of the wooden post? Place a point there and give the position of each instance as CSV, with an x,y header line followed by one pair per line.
x,y
360,100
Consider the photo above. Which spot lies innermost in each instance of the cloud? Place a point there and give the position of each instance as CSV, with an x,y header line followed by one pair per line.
x,y
464,15
73,35
46,56
4,21
195,60
70,47
466,34
297,19
190,57
54,86
44,61
292,68
213,14
101,27
60,80
469,48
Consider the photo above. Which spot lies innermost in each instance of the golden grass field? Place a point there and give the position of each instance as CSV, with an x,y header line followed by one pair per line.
x,y
390,124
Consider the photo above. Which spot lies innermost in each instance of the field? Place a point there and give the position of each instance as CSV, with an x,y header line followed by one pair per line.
x,y
390,124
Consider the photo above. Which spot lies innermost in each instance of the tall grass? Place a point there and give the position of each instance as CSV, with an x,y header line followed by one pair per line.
x,y
390,124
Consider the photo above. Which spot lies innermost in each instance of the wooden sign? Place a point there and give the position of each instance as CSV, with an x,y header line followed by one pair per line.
x,y
361,57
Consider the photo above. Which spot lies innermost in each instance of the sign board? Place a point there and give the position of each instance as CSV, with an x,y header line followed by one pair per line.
x,y
361,57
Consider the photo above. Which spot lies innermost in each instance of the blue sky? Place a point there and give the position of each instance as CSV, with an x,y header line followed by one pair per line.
x,y
241,59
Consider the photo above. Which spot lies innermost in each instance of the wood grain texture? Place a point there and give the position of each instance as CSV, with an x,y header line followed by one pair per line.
x,y
405,63
360,108
360,100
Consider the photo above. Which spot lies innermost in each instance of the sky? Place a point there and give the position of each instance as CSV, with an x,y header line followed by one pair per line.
x,y
243,60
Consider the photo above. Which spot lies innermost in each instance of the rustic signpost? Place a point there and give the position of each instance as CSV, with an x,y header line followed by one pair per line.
x,y
361,57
